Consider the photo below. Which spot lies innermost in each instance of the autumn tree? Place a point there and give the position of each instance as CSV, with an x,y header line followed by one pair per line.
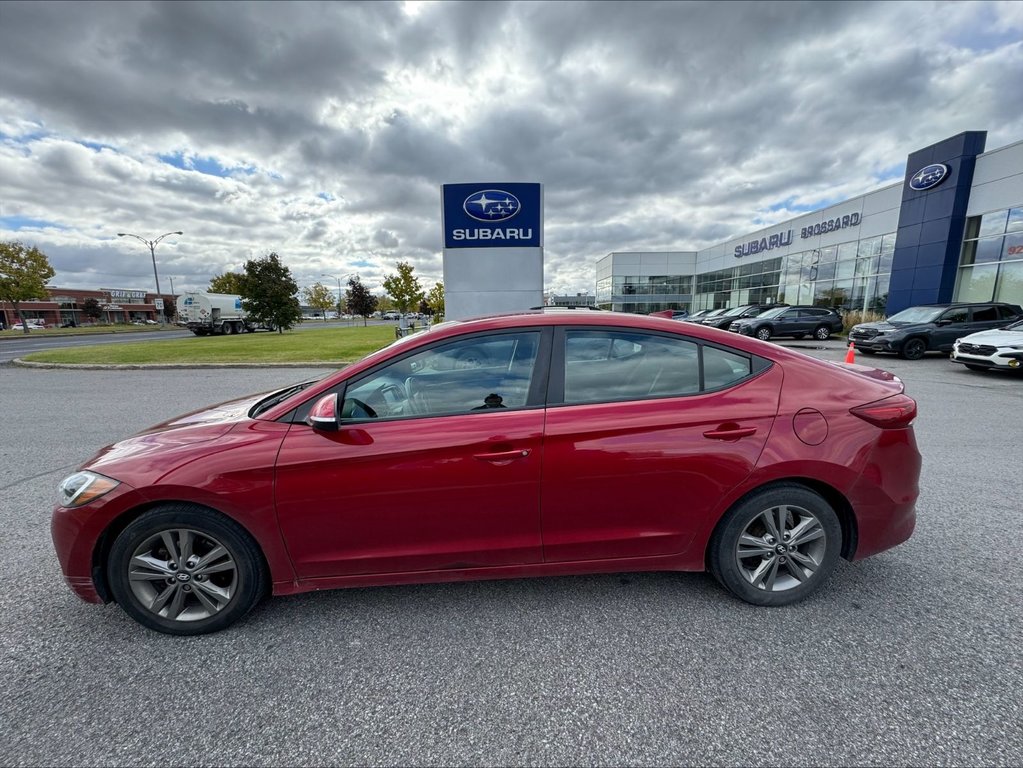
x,y
359,300
268,292
435,300
229,283
23,275
404,287
318,296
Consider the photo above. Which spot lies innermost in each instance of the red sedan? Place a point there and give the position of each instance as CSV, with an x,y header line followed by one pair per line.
x,y
536,444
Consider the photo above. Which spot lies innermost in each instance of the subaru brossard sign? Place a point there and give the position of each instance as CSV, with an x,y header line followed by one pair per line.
x,y
498,215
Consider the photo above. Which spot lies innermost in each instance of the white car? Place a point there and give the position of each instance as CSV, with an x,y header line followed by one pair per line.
x,y
997,348
33,325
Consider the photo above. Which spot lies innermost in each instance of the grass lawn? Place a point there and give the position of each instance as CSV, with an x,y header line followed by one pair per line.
x,y
330,345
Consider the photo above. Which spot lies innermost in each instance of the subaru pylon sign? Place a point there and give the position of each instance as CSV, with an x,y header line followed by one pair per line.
x,y
493,248
493,215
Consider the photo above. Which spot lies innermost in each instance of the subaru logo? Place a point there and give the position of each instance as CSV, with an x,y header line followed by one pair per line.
x,y
491,205
929,176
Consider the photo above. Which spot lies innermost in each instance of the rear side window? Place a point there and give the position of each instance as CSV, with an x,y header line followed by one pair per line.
x,y
612,366
981,314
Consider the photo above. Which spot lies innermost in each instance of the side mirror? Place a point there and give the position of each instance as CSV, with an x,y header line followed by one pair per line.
x,y
324,414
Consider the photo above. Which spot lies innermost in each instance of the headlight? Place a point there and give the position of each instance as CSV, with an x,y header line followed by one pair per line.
x,y
82,487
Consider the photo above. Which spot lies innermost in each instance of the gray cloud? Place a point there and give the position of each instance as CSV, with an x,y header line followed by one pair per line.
x,y
652,125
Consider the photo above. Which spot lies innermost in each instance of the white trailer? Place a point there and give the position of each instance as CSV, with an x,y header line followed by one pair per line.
x,y
205,314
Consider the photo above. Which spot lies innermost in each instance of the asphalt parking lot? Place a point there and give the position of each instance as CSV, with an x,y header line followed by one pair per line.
x,y
910,658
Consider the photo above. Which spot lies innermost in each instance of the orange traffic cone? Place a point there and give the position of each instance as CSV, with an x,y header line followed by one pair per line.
x,y
850,355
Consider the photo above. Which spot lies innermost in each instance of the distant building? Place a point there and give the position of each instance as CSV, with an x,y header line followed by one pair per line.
x,y
950,230
64,306
578,300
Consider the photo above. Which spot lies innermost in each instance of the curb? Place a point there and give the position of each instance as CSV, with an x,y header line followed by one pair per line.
x,y
169,366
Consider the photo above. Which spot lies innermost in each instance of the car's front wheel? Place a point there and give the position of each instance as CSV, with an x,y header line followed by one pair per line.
x,y
822,333
763,333
185,570
913,349
777,546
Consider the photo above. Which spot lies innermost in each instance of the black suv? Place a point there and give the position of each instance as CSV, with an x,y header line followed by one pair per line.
x,y
726,318
930,327
797,322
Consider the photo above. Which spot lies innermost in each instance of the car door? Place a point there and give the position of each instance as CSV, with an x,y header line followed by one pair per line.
x,y
436,465
789,323
645,432
984,318
951,325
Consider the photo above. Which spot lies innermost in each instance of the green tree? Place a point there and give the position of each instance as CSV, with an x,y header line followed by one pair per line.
x,y
385,303
91,309
268,292
435,300
319,297
229,282
359,300
404,287
23,275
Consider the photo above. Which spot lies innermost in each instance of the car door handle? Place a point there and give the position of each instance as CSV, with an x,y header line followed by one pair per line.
x,y
730,433
502,455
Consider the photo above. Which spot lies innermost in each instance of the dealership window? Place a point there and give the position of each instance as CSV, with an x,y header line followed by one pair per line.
x,y
992,258
977,283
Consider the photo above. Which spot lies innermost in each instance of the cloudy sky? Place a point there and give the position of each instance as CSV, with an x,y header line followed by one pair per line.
x,y
323,131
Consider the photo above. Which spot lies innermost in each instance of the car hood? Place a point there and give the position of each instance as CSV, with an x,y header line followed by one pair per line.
x,y
177,433
996,337
887,327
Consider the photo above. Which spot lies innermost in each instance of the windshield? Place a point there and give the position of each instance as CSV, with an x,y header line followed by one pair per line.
x,y
735,311
917,315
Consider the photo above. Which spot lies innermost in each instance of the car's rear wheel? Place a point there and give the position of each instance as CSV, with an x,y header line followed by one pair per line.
x,y
777,546
763,333
185,570
913,349
822,333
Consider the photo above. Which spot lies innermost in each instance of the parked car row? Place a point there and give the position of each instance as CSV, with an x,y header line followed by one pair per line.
x,y
961,329
979,335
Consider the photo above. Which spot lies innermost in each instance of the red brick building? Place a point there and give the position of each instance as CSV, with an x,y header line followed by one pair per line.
x,y
64,305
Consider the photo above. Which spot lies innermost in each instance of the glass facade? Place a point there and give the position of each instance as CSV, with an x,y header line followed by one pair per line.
x,y
644,293
991,265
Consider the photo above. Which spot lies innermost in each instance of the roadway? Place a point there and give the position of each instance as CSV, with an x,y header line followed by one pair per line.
x,y
908,658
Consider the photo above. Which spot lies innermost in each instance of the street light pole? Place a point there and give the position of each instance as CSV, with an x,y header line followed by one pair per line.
x,y
338,290
152,252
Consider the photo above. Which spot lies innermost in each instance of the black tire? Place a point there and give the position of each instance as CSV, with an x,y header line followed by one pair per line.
x,y
822,333
975,367
236,578
763,333
913,349
799,506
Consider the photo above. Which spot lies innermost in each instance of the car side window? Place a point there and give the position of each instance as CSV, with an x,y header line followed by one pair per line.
x,y
981,314
466,375
1004,313
722,368
959,315
607,366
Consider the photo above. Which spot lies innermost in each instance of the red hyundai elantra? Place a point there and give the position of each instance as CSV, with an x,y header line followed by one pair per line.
x,y
535,444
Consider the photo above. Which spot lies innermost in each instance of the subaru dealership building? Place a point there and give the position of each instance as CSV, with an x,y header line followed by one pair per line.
x,y
952,230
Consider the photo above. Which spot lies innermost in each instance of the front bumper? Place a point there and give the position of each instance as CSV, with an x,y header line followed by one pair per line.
x,y
1008,360
76,533
876,344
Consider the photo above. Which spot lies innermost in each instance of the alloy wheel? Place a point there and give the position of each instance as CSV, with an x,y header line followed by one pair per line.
x,y
781,548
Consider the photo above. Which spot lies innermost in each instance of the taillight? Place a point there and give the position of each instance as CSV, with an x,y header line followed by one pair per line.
x,y
895,412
